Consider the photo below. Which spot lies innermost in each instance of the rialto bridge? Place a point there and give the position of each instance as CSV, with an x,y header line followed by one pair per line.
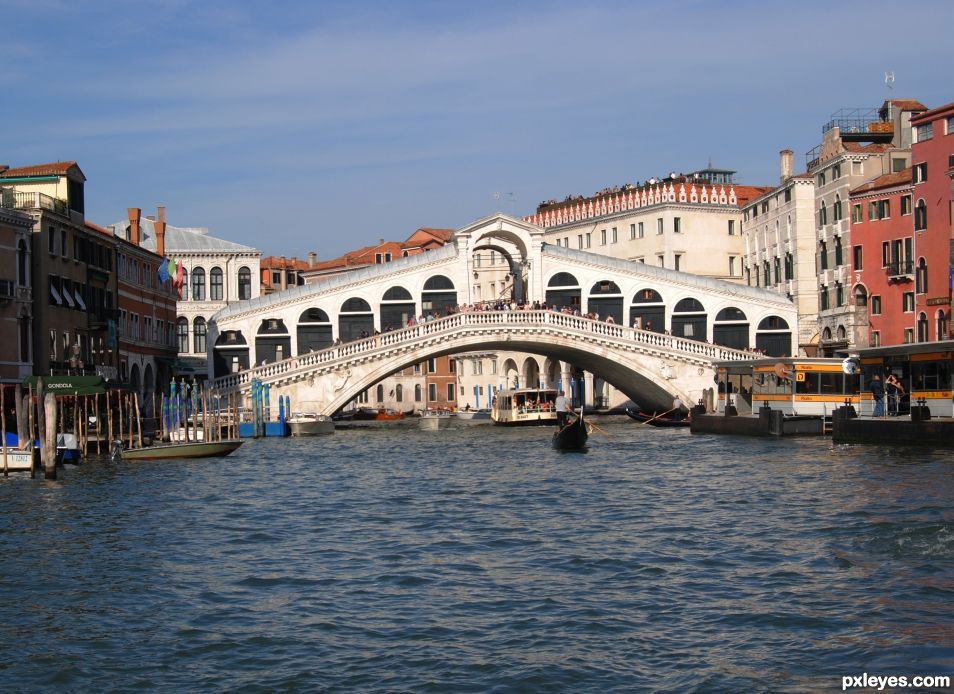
x,y
668,327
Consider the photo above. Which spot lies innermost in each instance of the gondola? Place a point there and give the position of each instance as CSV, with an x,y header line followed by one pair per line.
x,y
573,436
656,420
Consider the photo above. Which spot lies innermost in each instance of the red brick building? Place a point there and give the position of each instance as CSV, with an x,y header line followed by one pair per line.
x,y
932,163
882,253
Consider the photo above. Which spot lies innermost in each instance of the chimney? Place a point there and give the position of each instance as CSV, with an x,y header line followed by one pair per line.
x,y
284,282
160,227
312,257
786,158
135,214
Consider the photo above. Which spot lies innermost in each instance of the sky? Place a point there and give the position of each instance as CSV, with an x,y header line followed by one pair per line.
x,y
326,126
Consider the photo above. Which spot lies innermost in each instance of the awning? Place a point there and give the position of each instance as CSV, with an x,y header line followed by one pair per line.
x,y
69,385
68,295
79,298
55,295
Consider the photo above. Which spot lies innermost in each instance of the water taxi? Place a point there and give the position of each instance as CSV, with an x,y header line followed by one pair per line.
x,y
520,406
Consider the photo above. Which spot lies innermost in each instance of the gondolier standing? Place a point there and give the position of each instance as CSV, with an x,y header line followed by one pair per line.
x,y
563,409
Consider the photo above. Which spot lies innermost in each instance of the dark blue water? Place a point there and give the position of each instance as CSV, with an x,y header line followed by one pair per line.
x,y
477,559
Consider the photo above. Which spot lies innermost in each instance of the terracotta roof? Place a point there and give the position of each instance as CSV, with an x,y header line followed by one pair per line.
x,y
889,180
908,104
98,228
58,168
745,193
273,261
933,113
870,148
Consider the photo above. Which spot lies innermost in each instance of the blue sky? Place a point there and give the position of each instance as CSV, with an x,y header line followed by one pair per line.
x,y
325,126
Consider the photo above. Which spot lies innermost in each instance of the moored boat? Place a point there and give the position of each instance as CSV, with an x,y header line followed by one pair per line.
x,y
377,415
436,420
15,459
660,419
473,415
183,449
310,424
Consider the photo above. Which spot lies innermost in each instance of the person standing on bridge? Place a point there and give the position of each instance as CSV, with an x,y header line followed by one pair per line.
x,y
563,409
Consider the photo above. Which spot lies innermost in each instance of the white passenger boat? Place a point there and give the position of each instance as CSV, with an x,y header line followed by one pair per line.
x,y
434,420
16,459
473,415
524,406
310,424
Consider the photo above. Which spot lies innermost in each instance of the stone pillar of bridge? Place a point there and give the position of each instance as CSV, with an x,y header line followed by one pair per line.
x,y
588,389
566,377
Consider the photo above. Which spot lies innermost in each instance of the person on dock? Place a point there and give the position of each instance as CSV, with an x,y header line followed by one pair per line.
x,y
563,409
877,392
895,390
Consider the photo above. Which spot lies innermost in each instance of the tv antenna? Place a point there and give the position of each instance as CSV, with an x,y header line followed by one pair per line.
x,y
889,79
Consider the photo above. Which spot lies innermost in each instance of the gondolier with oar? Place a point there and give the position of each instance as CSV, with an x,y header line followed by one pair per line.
x,y
563,409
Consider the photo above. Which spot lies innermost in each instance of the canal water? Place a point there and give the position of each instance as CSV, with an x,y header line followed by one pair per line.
x,y
477,559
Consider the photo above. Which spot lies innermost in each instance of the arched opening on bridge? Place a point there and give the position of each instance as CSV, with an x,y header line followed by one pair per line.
x,y
552,372
438,296
689,320
397,305
531,373
511,374
731,328
648,311
606,299
487,269
355,320
272,343
230,354
314,331
774,337
563,291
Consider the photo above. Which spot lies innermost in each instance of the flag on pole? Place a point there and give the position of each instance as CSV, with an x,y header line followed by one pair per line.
x,y
171,268
163,271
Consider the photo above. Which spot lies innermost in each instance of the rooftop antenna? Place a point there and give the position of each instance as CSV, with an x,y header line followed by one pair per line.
x,y
889,79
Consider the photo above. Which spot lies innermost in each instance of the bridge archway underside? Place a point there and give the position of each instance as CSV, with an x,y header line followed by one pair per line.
x,y
648,367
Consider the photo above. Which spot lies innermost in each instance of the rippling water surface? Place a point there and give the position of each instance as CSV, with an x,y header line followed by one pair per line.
x,y
477,559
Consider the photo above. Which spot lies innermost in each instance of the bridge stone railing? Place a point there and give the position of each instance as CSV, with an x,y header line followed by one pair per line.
x,y
407,337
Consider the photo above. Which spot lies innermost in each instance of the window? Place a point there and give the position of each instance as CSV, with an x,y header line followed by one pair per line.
x,y
432,365
588,239
63,242
478,367
836,212
950,125
820,179
659,226
823,296
823,255
244,283
857,258
677,225
417,392
836,172
876,339
602,237
450,392
919,172
215,284
731,227
908,335
921,277
905,205
276,278
642,231
198,284
613,237
677,260
839,256
788,195
839,294
198,335
885,254
23,264
822,215
632,232
925,132
777,267
875,305
789,266
884,209
182,334
731,266
579,241
920,216
907,302
432,392
51,237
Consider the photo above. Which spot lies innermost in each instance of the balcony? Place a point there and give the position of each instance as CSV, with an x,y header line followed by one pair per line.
x,y
14,200
860,125
900,271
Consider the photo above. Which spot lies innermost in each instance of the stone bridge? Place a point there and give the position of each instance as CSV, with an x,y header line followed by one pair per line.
x,y
668,326
643,364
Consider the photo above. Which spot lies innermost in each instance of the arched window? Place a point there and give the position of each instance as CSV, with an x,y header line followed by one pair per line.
x,y
182,334
822,214
836,211
244,283
22,264
198,284
215,284
198,335
826,335
920,215
922,327
943,329
379,393
861,295
184,289
921,277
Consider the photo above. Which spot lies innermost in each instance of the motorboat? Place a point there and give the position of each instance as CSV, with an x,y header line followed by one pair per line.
x,y
434,419
310,424
181,449
473,415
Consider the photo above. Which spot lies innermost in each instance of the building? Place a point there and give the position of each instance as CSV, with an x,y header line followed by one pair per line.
x,y
147,313
691,223
72,274
16,295
215,274
882,266
779,232
858,145
280,273
933,179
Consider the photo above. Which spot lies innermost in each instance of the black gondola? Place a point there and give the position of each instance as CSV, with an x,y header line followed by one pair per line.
x,y
657,420
573,436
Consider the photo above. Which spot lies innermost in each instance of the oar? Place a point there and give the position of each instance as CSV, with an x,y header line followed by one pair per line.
x,y
599,429
657,416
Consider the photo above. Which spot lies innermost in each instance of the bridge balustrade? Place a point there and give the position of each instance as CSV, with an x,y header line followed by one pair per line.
x,y
478,319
